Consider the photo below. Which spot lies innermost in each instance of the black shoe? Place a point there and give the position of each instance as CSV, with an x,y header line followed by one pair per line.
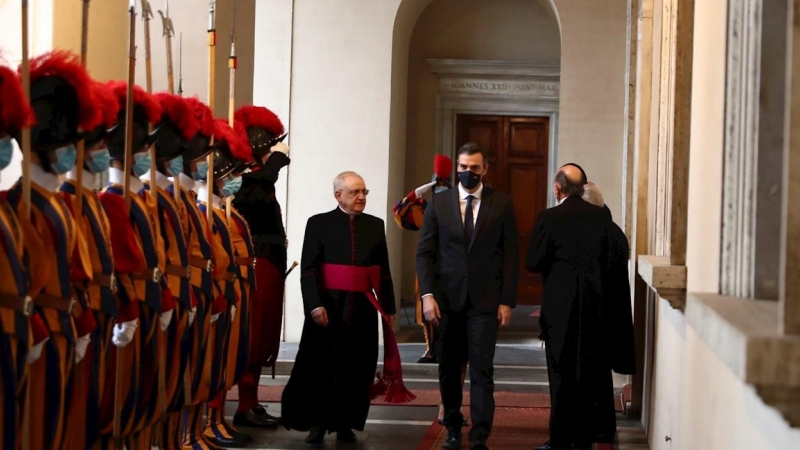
x,y
463,424
315,436
226,443
545,446
255,418
479,445
427,358
346,436
453,441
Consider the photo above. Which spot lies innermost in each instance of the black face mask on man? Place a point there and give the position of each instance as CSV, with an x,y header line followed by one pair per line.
x,y
469,179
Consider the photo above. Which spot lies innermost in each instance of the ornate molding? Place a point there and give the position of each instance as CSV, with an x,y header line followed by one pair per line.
x,y
495,87
494,69
497,79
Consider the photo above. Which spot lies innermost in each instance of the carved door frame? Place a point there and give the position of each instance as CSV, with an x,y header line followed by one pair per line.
x,y
496,88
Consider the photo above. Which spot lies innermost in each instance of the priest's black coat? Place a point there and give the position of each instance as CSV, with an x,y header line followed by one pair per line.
x,y
577,249
335,365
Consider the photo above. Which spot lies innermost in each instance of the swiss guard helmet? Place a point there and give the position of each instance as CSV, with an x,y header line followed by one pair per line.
x,y
264,129
15,111
62,101
198,146
178,125
230,149
146,112
106,102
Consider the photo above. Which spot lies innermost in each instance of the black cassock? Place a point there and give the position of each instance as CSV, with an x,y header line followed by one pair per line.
x,y
335,366
571,248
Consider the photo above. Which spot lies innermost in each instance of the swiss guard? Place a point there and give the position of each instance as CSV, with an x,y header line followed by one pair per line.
x,y
408,214
256,202
205,253
64,106
96,324
140,386
230,150
16,306
177,126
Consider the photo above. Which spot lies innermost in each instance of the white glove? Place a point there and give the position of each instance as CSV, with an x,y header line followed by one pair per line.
x,y
424,188
123,332
35,352
192,314
166,318
81,345
233,312
214,317
280,147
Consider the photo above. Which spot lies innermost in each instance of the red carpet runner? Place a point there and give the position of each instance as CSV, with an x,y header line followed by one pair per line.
x,y
514,428
425,397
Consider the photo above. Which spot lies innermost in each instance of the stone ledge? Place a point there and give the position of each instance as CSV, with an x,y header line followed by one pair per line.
x,y
667,280
746,336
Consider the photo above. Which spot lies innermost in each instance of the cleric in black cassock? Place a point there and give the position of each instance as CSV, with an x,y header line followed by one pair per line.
x,y
569,246
329,388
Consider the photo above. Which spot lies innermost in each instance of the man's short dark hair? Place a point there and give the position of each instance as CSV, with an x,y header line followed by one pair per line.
x,y
569,187
471,148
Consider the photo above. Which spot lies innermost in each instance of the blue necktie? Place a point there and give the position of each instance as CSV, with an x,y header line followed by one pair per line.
x,y
469,223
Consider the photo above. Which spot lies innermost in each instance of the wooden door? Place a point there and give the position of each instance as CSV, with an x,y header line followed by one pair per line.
x,y
518,150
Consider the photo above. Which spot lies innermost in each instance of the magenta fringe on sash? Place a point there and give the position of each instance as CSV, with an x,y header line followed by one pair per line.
x,y
388,383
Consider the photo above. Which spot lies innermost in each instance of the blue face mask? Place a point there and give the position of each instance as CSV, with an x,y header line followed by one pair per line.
x,y
176,166
100,162
6,152
65,159
231,186
141,163
202,170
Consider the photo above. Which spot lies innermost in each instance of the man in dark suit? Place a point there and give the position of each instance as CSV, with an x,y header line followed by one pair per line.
x,y
570,247
467,264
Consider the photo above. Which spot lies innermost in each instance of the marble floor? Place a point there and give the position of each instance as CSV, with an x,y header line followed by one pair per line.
x,y
519,367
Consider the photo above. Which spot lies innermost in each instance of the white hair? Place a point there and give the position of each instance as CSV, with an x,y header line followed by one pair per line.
x,y
338,182
593,195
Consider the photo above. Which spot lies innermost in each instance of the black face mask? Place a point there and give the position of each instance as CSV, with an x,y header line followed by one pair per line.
x,y
469,179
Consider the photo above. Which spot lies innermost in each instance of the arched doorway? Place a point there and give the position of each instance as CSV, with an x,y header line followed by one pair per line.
x,y
485,71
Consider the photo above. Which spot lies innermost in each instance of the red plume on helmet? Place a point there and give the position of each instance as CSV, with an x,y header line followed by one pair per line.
x,y
238,127
140,98
258,116
15,112
177,110
238,146
67,66
203,115
442,166
108,104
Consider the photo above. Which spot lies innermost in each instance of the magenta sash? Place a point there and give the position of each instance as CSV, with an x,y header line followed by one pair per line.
x,y
367,280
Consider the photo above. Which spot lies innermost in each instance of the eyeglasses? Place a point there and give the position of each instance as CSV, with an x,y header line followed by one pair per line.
x,y
356,192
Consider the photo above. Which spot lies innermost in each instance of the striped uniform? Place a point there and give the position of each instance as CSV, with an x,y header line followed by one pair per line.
x,y
97,319
15,330
56,302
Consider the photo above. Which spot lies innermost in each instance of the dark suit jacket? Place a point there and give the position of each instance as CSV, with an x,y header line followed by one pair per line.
x,y
487,271
569,246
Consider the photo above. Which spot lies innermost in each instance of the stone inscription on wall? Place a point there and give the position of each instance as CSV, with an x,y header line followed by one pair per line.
x,y
513,88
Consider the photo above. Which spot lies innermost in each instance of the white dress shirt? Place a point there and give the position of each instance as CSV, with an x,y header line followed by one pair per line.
x,y
476,202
